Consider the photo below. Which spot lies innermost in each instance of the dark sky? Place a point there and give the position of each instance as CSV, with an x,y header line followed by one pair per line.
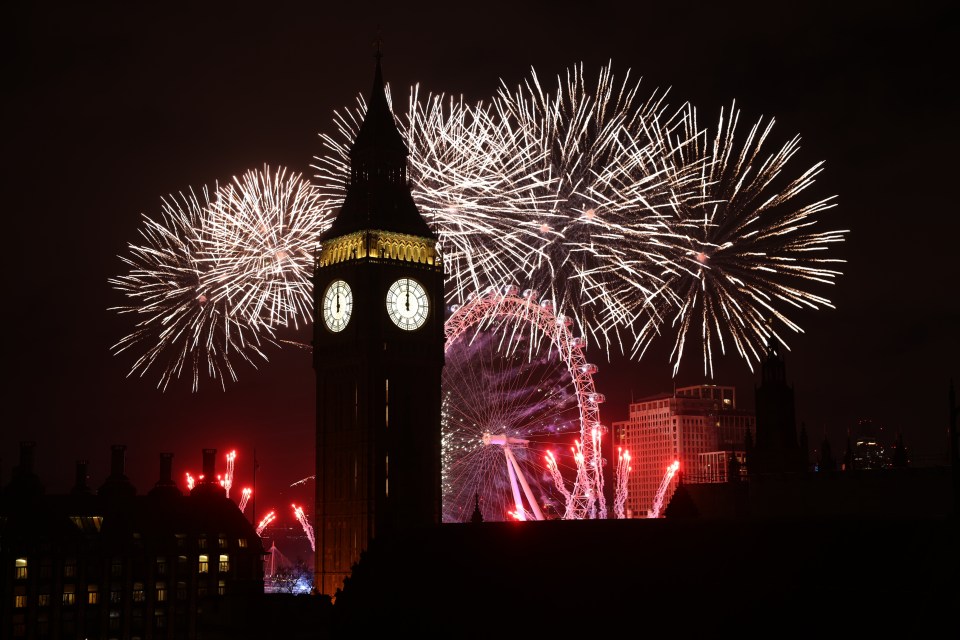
x,y
109,109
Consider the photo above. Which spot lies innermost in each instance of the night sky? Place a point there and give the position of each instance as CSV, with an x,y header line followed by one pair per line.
x,y
110,109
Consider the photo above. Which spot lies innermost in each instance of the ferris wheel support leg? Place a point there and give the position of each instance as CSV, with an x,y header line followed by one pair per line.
x,y
517,500
534,506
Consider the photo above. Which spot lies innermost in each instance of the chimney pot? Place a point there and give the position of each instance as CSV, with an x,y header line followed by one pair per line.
x,y
26,456
116,459
166,468
81,478
210,466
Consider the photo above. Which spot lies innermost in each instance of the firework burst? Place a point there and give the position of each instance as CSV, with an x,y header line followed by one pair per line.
x,y
183,326
748,253
263,230
473,177
609,175
621,212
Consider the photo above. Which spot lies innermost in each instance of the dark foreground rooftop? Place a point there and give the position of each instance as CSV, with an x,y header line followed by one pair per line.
x,y
773,577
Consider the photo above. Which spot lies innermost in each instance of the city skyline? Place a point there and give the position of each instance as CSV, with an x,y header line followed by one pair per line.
x,y
115,113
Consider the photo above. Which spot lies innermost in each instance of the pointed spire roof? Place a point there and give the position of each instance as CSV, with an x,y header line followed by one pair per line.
x,y
379,131
378,195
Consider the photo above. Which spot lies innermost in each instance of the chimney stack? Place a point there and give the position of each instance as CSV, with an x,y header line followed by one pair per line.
x,y
210,466
116,460
209,486
26,456
80,485
117,485
166,468
165,485
25,482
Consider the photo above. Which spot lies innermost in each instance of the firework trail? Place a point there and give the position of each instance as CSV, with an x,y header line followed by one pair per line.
x,y
662,489
227,481
267,519
183,325
307,527
245,498
747,253
622,475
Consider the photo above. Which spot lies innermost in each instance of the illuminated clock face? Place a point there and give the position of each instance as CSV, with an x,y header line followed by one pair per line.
x,y
407,304
337,305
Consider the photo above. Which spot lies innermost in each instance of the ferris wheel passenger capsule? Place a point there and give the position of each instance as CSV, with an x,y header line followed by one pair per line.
x,y
530,294
511,290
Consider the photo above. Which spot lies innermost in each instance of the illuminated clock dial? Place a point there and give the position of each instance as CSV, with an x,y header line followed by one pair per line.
x,y
407,304
337,305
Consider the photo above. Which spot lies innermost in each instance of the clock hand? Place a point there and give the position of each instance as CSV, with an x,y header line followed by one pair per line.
x,y
408,296
338,303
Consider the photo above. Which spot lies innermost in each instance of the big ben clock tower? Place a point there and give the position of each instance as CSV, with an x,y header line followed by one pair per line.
x,y
378,355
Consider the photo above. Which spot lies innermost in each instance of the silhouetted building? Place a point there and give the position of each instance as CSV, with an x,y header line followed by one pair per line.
x,y
869,449
899,458
378,355
827,462
114,564
776,448
698,425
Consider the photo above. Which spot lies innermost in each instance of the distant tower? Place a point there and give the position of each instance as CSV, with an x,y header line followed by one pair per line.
x,y
776,449
378,355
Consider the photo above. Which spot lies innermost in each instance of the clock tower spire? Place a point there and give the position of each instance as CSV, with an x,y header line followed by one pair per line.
x,y
378,356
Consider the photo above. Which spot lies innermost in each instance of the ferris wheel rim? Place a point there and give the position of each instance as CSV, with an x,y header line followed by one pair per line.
x,y
507,302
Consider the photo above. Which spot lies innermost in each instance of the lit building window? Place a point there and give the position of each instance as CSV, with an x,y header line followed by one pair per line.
x,y
222,587
222,541
202,542
138,595
87,523
159,618
242,543
21,569
203,566
161,566
70,568
93,594
20,599
115,595
43,600
69,594
161,592
224,563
